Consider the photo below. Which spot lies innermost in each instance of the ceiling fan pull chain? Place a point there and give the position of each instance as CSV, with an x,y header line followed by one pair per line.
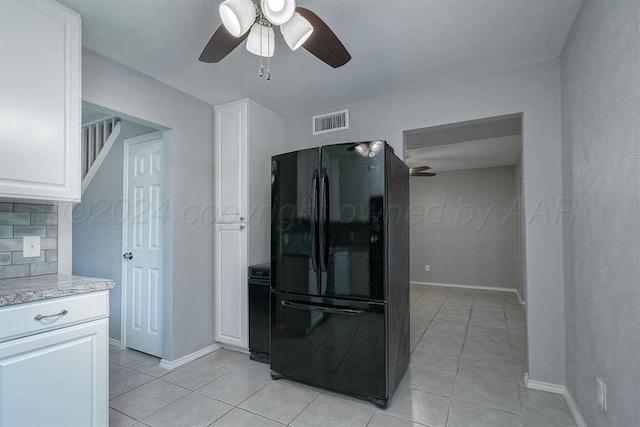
x,y
268,68
268,59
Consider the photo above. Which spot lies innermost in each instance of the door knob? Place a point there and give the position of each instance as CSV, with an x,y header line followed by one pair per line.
x,y
241,218
242,227
127,255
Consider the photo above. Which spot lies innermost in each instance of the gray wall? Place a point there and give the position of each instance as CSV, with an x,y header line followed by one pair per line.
x,y
601,114
188,318
265,138
28,219
462,225
521,267
98,218
535,92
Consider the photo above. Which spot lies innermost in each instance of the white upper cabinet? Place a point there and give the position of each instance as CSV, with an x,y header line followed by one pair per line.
x,y
40,100
230,127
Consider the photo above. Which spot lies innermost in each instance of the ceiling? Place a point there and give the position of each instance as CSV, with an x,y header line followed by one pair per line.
x,y
478,144
396,46
89,115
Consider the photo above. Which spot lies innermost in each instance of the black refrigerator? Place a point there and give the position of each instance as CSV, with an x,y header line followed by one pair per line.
x,y
340,268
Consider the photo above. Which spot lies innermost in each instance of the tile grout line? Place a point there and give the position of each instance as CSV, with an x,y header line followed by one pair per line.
x,y
464,341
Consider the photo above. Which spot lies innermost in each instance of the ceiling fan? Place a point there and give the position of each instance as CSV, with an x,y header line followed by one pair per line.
x,y
254,22
420,171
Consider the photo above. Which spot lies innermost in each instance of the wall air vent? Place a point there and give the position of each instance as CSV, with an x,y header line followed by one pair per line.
x,y
331,122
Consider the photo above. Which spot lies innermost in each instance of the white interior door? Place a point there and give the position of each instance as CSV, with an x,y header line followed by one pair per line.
x,y
143,241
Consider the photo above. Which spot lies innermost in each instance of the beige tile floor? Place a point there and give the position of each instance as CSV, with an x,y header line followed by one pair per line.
x,y
467,365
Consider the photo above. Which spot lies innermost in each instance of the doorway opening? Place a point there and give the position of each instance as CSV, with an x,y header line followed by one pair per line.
x,y
467,258
122,213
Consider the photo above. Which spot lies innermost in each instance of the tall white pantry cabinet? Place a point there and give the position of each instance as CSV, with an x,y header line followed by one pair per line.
x,y
40,100
246,136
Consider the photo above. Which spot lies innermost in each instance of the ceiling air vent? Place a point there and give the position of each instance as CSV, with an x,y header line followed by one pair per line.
x,y
331,122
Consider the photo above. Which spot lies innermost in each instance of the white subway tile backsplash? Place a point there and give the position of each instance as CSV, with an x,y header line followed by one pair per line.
x,y
5,258
12,271
52,231
48,243
28,207
44,219
12,245
43,268
6,231
50,256
28,219
29,230
13,218
18,258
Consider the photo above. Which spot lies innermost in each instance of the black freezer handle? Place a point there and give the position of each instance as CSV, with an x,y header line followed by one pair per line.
x,y
312,307
324,221
314,223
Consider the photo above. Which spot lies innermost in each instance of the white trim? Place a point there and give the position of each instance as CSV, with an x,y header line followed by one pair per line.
x,y
577,416
520,300
542,386
557,389
172,364
125,184
115,343
65,238
93,169
234,348
453,285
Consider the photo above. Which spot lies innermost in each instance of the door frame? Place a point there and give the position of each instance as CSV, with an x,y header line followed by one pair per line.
x,y
127,143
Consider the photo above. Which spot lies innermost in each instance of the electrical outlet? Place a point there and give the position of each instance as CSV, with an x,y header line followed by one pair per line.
x,y
427,267
30,246
601,394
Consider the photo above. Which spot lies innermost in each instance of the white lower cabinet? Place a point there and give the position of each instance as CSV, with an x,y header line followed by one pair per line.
x,y
55,378
231,285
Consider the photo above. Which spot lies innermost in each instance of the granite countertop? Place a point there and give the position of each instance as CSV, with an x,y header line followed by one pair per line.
x,y
37,288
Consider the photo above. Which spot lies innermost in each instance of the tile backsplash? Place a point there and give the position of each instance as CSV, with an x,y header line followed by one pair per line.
x,y
28,219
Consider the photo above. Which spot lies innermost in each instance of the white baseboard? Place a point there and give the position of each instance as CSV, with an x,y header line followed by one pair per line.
x,y
557,389
172,364
115,343
520,300
574,410
234,348
453,285
542,386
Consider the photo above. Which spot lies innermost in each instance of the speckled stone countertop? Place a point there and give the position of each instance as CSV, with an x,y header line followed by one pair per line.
x,y
36,288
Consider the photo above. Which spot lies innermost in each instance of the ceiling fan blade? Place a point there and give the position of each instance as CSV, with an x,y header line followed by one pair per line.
x,y
422,174
419,168
220,45
323,43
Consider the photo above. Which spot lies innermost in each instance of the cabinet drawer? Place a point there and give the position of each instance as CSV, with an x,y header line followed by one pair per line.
x,y
20,320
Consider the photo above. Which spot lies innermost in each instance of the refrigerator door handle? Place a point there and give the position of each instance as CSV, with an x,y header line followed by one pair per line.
x,y
324,221
311,307
314,223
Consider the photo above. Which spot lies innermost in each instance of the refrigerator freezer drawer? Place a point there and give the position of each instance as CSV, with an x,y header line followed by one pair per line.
x,y
332,343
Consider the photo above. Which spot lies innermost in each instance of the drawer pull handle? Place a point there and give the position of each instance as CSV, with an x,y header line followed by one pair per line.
x,y
40,316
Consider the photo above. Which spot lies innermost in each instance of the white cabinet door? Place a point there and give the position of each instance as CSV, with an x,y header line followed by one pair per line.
x,y
231,285
56,378
40,100
230,126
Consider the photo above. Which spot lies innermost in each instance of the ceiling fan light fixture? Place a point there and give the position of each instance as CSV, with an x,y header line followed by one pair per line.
x,y
278,11
375,146
261,40
296,31
237,16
